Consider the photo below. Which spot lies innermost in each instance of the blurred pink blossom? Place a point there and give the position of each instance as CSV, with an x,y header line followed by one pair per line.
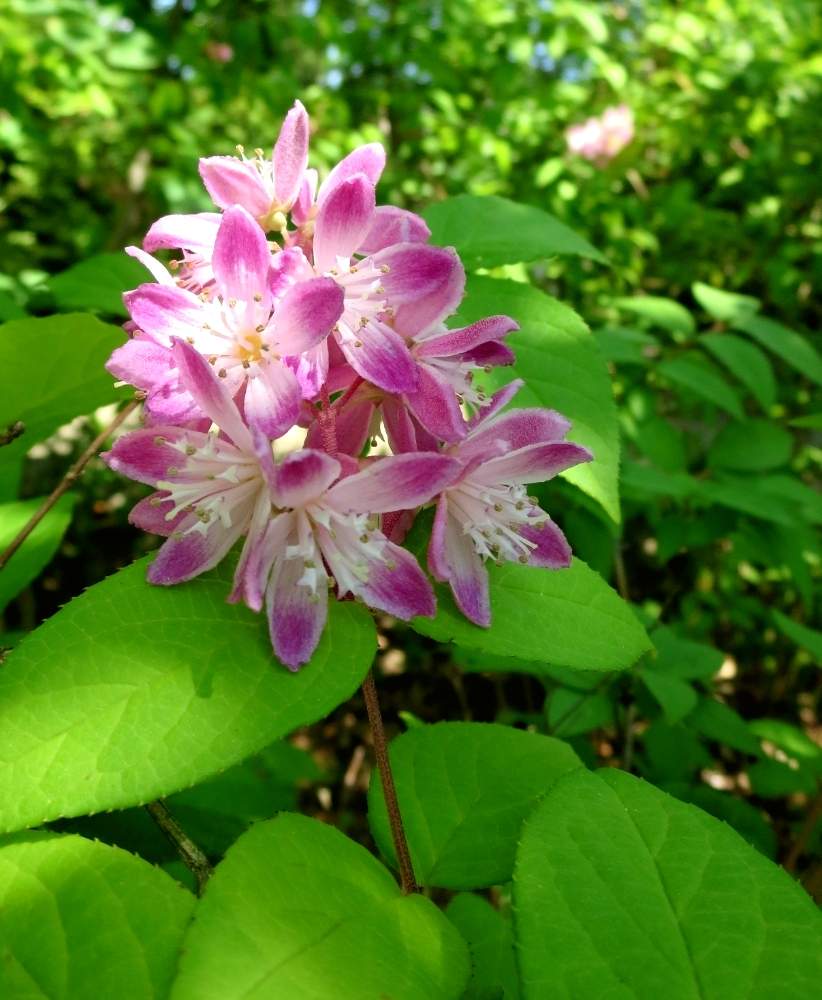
x,y
600,139
220,52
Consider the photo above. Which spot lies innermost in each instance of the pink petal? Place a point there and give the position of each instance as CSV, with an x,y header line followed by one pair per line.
x,y
142,362
513,430
241,256
424,284
533,464
150,515
165,312
342,221
491,354
210,394
172,404
352,424
452,557
390,225
301,211
311,369
304,476
158,271
435,405
398,586
265,538
272,399
552,551
399,426
148,455
368,160
382,357
290,156
453,342
501,398
394,483
184,232
181,559
296,616
305,315
230,181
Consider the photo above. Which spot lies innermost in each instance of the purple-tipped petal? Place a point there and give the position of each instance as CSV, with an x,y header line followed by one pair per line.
x,y
394,483
158,271
311,369
290,156
493,354
296,615
532,464
241,257
210,394
301,212
305,315
552,549
230,181
149,455
399,426
183,232
398,586
368,160
435,405
150,515
172,404
272,399
164,312
342,221
390,225
512,431
417,270
453,342
181,559
303,476
452,557
380,355
266,536
501,398
142,362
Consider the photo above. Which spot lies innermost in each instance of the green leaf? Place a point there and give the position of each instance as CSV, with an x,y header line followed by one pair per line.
x,y
771,779
746,495
563,370
684,658
490,939
97,284
621,890
703,380
745,818
81,920
464,789
746,362
58,374
803,636
793,740
751,446
642,481
37,550
569,617
813,421
676,697
132,691
716,721
665,313
490,231
786,344
571,712
724,305
297,910
626,346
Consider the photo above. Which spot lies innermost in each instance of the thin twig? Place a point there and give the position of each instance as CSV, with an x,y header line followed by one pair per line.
x,y
190,854
328,425
12,432
69,479
620,574
804,835
408,882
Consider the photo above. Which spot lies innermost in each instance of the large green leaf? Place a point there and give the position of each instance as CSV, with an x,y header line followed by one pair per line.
x,y
568,617
98,283
793,348
702,379
55,372
297,910
751,446
803,636
723,305
622,891
559,360
490,939
489,231
662,312
37,550
133,691
746,361
464,789
82,921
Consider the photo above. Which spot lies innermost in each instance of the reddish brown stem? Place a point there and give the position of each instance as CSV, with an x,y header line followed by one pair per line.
x,y
408,882
328,425
68,480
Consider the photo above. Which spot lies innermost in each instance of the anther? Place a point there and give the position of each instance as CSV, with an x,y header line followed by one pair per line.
x,y
190,449
232,303
222,373
258,297
213,359
172,470
385,268
246,365
259,328
159,440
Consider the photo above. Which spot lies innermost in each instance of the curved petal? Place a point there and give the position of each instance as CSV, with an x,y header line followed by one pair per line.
x,y
258,553
501,398
163,311
305,315
183,232
311,369
241,258
513,430
532,464
390,225
342,221
452,557
158,271
394,483
492,354
210,394
304,476
183,558
435,405
398,585
423,283
368,160
552,549
452,342
290,156
230,181
296,614
380,355
149,455
141,362
301,212
272,399
399,426
150,515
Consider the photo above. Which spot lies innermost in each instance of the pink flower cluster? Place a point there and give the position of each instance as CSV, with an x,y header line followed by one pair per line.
x,y
600,139
304,307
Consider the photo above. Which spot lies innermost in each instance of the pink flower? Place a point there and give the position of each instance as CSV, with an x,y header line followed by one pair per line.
x,y
486,513
328,533
245,326
600,139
